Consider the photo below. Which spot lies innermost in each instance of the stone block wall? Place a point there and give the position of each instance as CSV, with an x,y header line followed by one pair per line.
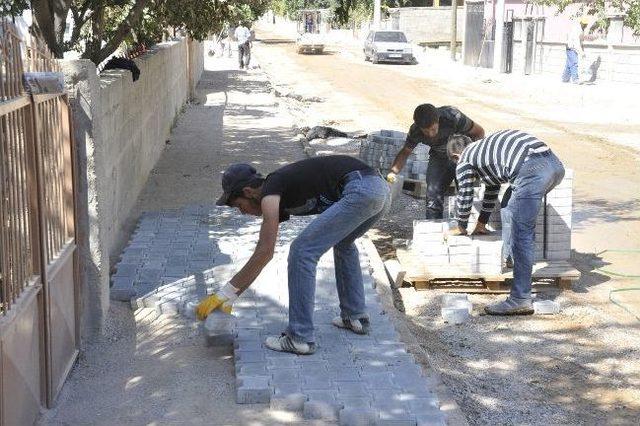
x,y
120,128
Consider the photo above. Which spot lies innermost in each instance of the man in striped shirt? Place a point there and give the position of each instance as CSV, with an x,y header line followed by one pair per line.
x,y
532,170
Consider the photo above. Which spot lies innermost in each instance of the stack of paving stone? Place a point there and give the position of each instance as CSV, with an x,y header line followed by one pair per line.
x,y
351,379
553,224
380,149
466,254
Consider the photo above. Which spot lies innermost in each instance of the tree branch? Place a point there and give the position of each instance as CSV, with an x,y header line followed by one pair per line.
x,y
134,16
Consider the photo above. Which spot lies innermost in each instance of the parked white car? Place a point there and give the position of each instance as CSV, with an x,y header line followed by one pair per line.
x,y
388,46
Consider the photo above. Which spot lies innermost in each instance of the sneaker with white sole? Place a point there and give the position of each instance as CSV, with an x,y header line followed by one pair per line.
x,y
510,306
284,343
358,326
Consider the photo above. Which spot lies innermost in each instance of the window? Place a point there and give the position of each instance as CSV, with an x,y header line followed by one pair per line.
x,y
393,37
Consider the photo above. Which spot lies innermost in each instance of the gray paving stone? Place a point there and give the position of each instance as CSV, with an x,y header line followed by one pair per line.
x,y
351,389
249,356
357,416
285,375
431,419
320,410
254,390
317,383
188,253
287,389
293,402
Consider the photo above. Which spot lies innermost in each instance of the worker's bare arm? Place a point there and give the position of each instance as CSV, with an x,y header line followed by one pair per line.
x,y
476,132
401,159
263,252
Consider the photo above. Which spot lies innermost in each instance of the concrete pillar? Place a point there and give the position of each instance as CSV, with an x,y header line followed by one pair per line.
x,y
376,14
497,46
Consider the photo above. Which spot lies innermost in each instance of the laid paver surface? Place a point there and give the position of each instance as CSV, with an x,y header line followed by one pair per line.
x,y
351,379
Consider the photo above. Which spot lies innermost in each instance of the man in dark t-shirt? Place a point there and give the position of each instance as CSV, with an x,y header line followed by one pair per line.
x,y
433,126
347,195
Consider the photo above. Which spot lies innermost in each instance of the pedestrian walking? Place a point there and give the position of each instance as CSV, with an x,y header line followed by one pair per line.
x,y
433,126
527,163
574,50
347,196
243,36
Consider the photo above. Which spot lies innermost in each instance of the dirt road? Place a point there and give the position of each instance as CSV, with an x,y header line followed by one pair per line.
x,y
580,367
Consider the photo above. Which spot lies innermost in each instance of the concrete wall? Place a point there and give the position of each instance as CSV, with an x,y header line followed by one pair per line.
x,y
426,24
619,63
120,127
616,54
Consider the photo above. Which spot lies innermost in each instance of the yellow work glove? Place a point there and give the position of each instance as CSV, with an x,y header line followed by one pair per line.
x,y
222,300
392,177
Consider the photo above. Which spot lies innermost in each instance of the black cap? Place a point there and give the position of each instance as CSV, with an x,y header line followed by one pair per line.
x,y
236,177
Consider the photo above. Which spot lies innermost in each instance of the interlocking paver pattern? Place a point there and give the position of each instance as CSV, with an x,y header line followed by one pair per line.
x,y
177,257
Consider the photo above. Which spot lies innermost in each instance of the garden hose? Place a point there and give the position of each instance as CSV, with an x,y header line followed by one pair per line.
x,y
621,275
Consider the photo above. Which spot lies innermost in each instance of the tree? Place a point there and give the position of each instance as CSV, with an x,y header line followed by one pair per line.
x,y
100,27
601,8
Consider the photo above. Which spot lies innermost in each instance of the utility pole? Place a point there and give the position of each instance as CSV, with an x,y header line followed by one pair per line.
x,y
454,29
376,14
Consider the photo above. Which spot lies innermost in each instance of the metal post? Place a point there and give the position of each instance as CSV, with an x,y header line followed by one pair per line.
x,y
454,28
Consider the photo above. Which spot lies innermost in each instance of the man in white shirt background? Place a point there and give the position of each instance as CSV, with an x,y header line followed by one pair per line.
x,y
243,36
575,52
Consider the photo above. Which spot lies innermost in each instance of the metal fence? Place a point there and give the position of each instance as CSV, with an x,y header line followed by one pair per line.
x,y
39,295
18,206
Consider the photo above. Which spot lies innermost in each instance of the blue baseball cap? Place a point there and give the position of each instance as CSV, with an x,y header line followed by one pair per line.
x,y
236,177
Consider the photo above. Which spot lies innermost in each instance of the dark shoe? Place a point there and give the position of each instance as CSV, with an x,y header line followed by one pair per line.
x,y
510,306
284,343
358,326
509,263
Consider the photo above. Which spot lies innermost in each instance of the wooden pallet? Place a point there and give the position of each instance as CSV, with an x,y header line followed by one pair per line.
x,y
546,275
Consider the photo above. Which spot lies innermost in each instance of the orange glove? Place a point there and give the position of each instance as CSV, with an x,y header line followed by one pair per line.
x,y
222,300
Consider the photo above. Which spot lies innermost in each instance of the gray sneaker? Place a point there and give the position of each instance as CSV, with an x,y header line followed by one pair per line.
x,y
510,306
284,343
358,326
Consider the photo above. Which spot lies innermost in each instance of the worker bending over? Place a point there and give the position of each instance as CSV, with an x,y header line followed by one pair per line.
x,y
348,196
532,170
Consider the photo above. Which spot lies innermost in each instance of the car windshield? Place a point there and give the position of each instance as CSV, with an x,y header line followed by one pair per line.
x,y
391,37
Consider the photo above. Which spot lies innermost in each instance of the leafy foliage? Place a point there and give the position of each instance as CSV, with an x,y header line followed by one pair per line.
x,y
601,8
13,7
102,26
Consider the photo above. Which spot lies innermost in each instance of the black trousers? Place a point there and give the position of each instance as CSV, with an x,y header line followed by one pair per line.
x,y
244,54
440,173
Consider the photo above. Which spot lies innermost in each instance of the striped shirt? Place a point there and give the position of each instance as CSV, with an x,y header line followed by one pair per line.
x,y
494,160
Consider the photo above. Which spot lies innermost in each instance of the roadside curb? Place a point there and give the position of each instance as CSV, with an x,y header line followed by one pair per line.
x,y
448,404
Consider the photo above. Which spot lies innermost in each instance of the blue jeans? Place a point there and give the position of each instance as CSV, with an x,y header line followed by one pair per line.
x,y
365,199
537,176
571,67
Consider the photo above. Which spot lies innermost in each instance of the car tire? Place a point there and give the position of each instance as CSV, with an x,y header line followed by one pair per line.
x,y
374,59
